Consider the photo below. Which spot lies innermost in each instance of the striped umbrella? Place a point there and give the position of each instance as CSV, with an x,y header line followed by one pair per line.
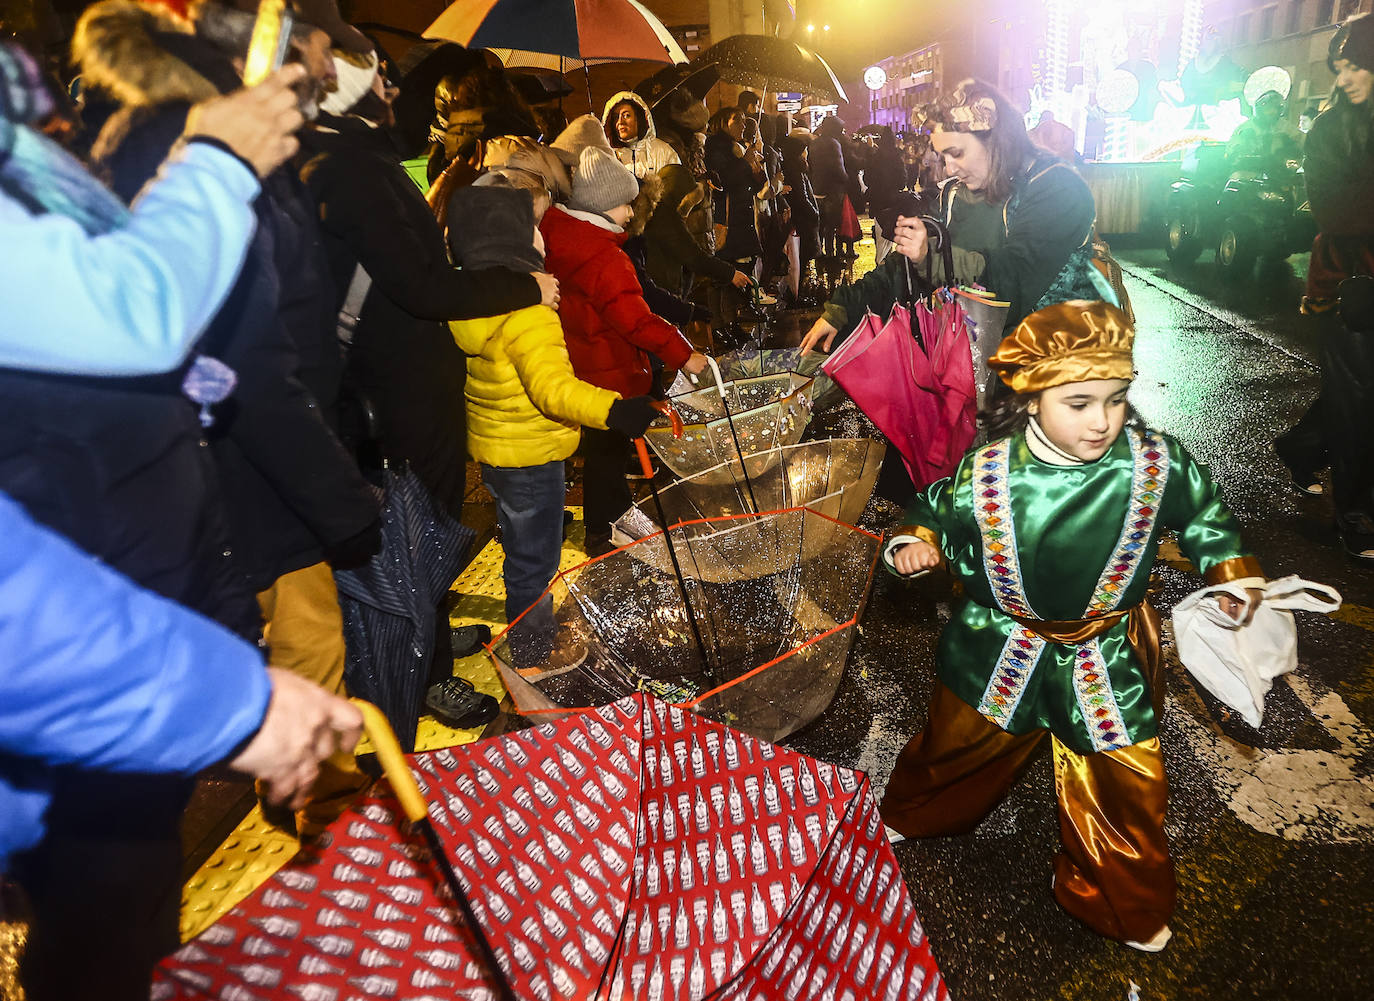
x,y
558,34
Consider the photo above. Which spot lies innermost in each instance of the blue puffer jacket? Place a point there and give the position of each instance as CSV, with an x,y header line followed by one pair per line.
x,y
96,673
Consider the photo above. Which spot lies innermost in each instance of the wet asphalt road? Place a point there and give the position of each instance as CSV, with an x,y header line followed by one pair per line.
x,y
1272,830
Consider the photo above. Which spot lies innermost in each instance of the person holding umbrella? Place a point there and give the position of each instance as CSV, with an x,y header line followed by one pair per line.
x,y
609,328
525,407
1019,220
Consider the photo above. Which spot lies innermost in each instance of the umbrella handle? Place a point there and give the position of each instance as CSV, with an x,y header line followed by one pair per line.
x,y
642,448
393,761
720,380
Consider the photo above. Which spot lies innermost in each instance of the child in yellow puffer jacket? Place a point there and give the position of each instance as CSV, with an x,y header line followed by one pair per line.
x,y
525,407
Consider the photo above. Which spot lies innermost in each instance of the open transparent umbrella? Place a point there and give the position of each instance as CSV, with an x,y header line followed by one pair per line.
x,y
751,360
558,34
834,476
635,853
730,418
752,627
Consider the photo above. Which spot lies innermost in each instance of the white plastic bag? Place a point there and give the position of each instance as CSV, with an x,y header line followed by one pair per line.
x,y
1238,664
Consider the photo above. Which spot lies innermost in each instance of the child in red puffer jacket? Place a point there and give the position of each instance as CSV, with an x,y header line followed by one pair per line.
x,y
608,326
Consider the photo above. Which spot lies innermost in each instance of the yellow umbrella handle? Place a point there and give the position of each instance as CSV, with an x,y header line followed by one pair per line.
x,y
393,761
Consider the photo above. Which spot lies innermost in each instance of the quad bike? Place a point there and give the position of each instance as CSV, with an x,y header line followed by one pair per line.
x,y
1248,208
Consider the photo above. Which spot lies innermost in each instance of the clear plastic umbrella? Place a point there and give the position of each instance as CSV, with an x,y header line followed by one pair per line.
x,y
748,361
834,476
731,418
774,599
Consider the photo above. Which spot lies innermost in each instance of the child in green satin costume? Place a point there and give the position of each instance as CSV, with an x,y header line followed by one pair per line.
x,y
1053,528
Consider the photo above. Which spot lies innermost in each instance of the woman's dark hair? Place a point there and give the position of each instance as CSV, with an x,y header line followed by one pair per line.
x,y
1354,122
1009,414
1006,415
1009,148
720,120
830,128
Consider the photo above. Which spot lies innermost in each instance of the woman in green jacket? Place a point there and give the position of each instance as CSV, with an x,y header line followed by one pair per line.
x,y
1020,221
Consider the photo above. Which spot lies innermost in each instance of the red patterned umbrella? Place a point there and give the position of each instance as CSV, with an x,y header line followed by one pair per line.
x,y
633,852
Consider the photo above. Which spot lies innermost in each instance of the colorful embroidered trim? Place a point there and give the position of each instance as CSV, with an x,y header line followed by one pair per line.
x,y
1015,665
1101,714
992,509
1151,456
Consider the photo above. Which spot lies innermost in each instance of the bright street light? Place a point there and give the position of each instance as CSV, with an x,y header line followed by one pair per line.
x,y
810,27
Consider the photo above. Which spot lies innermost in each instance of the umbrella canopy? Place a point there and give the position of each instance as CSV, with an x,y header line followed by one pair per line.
x,y
772,64
635,852
775,598
751,360
919,392
834,476
389,603
558,34
696,80
734,417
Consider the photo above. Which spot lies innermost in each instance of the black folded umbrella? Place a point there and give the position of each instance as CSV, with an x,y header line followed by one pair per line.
x,y
389,604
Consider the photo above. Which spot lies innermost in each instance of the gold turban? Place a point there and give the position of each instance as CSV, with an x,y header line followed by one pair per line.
x,y
1075,341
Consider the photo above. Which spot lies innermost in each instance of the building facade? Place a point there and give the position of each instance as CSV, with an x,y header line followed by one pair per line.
x,y
1292,34
911,80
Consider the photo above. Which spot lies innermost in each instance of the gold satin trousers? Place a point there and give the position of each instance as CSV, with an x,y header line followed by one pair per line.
x,y
1113,870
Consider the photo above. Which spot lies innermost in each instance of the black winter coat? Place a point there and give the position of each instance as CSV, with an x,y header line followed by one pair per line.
x,y
735,200
118,466
292,493
403,359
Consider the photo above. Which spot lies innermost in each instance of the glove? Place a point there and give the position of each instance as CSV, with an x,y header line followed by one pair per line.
x,y
631,417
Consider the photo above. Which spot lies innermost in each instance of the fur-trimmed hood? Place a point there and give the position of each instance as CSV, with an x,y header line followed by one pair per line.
x,y
650,193
125,49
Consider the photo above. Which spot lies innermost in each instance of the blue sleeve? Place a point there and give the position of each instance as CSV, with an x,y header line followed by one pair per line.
x,y
98,673
131,301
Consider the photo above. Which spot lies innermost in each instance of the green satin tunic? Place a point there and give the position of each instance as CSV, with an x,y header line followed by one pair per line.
x,y
1048,542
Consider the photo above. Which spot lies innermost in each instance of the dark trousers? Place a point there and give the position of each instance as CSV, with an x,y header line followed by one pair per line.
x,y
1335,431
529,509
105,886
605,494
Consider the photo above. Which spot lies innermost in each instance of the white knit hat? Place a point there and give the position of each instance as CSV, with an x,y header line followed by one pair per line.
x,y
354,82
581,132
601,182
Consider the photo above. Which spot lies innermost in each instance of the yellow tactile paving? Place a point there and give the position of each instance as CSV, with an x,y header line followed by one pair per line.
x,y
256,849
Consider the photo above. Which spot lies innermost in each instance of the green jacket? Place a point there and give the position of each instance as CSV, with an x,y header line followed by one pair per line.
x,y
1042,543
669,247
1048,217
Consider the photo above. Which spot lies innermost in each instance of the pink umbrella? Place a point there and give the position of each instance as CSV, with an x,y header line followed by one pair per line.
x,y
944,329
895,380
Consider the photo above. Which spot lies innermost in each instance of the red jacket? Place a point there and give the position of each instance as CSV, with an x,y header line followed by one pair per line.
x,y
607,324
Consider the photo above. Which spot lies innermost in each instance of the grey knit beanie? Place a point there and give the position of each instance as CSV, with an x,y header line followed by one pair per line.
x,y
601,182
